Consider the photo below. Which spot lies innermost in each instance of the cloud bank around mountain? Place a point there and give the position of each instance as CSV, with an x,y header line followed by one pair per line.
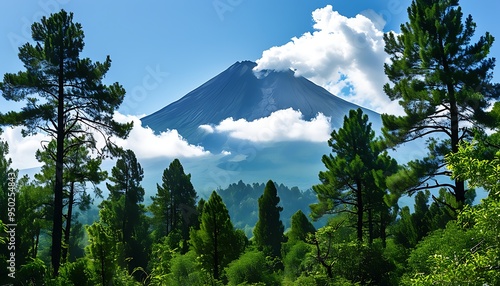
x,y
146,144
344,55
281,125
141,140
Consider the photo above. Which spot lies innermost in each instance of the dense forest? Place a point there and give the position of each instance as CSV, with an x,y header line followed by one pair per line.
x,y
353,232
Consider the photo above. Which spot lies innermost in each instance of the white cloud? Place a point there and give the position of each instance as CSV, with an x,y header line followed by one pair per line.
x,y
344,55
281,125
141,140
22,149
207,128
146,144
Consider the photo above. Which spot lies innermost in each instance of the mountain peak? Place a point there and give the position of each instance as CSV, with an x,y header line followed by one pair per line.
x,y
239,93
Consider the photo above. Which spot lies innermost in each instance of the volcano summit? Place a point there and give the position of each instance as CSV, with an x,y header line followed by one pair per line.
x,y
240,93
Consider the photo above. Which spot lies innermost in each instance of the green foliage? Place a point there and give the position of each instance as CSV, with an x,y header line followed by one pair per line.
x,y
185,270
268,231
298,260
160,261
450,242
466,252
458,256
250,269
301,227
76,273
124,214
443,81
216,242
34,219
354,180
173,207
103,251
479,171
352,260
32,273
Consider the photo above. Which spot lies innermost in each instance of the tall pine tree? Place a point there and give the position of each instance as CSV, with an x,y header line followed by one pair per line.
x,y
65,98
216,242
80,169
352,182
174,206
123,211
268,231
443,81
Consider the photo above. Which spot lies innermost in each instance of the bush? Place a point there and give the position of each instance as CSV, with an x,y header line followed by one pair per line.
x,y
250,268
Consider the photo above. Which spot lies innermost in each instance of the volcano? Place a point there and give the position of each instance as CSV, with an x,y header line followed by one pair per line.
x,y
241,93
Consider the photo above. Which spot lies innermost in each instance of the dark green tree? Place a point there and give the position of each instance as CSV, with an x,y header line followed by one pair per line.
x,y
443,81
65,98
174,205
216,242
301,227
353,182
268,231
124,213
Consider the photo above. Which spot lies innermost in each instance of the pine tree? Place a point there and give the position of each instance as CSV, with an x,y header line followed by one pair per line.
x,y
268,231
174,206
443,81
62,91
352,183
216,242
301,227
123,212
79,169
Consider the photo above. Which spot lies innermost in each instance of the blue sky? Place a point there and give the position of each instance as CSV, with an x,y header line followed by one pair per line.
x,y
187,42
162,49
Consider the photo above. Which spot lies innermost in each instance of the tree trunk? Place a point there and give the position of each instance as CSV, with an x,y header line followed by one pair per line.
x,y
383,234
35,244
459,190
359,205
67,230
58,188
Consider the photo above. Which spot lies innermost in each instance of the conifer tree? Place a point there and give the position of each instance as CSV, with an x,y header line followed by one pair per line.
x,y
174,206
352,182
301,227
443,81
79,169
62,91
268,231
123,211
216,242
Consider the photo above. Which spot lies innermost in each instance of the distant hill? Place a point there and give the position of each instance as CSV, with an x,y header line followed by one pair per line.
x,y
242,202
